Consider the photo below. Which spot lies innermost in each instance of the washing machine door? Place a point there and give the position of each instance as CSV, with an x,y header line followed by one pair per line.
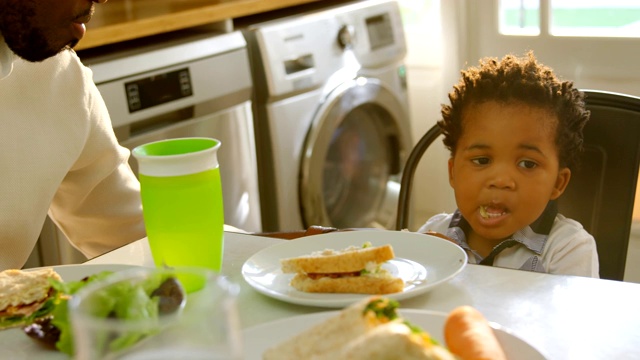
x,y
353,157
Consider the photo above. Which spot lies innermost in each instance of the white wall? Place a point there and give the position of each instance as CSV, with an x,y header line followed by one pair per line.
x,y
427,91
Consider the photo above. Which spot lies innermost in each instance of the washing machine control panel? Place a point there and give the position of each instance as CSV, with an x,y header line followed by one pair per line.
x,y
380,31
302,52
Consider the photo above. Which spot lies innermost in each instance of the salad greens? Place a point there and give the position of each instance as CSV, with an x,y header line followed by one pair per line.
x,y
61,314
383,308
122,300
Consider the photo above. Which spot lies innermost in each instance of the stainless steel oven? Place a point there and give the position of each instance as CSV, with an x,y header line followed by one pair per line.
x,y
194,83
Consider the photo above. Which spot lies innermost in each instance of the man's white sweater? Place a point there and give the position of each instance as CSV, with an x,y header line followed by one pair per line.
x,y
58,155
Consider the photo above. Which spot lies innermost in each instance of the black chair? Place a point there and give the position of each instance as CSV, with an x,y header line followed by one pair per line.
x,y
602,190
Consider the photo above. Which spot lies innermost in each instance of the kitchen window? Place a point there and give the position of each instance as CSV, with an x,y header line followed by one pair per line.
x,y
586,18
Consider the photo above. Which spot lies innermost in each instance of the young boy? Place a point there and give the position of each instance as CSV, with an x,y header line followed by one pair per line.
x,y
514,131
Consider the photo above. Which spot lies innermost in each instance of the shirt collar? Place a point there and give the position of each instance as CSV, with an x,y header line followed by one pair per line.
x,y
6,59
533,236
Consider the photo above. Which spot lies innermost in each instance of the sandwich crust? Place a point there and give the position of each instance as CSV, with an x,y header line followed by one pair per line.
x,y
349,284
350,259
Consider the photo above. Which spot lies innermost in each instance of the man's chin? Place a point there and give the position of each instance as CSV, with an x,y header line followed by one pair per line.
x,y
37,56
71,45
37,49
42,54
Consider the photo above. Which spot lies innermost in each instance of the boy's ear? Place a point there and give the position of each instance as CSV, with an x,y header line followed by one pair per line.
x,y
564,175
450,168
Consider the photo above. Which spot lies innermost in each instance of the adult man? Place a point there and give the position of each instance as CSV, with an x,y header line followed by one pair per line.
x,y
58,153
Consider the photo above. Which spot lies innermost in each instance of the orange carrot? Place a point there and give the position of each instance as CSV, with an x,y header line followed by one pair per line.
x,y
469,336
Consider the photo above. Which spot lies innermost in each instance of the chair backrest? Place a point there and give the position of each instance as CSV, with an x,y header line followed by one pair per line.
x,y
602,190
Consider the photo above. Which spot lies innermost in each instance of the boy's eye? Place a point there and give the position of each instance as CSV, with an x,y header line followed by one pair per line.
x,y
480,161
527,164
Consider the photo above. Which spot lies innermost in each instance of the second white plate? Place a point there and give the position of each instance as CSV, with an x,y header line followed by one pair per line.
x,y
422,261
259,338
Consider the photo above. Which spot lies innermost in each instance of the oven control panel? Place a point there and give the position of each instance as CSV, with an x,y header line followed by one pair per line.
x,y
158,89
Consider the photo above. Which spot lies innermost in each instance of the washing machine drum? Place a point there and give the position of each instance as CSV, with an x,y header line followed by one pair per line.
x,y
355,151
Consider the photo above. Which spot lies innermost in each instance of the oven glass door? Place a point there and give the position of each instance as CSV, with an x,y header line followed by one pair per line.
x,y
233,126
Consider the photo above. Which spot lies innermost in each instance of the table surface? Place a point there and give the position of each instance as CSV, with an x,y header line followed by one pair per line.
x,y
564,317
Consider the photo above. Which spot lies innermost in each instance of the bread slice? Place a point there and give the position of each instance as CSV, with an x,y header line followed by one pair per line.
x,y
350,259
349,284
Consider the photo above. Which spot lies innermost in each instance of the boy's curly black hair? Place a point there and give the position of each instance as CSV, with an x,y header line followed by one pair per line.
x,y
522,80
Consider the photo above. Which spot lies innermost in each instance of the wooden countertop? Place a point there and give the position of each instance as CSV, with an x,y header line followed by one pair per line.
x,y
121,20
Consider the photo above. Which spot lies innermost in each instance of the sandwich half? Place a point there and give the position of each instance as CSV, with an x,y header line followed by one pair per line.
x,y
370,329
351,270
26,296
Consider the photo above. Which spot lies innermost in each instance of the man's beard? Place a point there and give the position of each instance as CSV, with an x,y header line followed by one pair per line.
x,y
29,43
32,46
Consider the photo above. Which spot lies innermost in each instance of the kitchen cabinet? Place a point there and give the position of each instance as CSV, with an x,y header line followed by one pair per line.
x,y
121,20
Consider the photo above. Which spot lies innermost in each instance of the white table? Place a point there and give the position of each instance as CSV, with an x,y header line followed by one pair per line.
x,y
565,317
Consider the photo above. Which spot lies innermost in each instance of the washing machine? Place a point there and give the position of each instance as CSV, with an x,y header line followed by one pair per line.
x,y
331,115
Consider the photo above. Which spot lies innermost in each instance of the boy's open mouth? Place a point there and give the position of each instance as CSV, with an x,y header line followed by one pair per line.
x,y
491,211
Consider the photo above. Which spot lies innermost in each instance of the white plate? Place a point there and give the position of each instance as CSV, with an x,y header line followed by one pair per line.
x,y
422,261
22,346
259,338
